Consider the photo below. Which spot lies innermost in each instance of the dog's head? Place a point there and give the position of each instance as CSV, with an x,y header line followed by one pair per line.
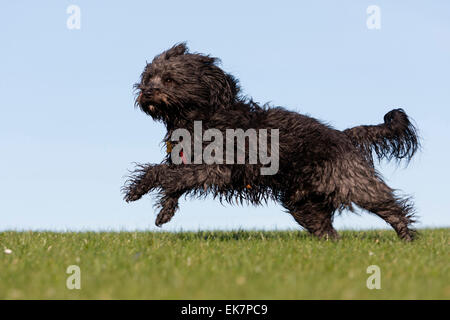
x,y
176,82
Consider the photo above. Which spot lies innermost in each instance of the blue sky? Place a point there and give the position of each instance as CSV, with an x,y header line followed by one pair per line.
x,y
69,131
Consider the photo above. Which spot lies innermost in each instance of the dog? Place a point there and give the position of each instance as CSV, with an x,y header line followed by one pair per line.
x,y
321,172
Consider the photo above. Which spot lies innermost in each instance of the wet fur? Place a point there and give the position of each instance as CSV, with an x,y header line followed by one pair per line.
x,y
321,170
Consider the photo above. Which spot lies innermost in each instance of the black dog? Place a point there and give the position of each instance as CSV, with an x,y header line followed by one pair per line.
x,y
321,170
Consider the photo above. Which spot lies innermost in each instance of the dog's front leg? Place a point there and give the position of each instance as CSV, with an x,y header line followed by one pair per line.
x,y
182,178
143,179
178,179
168,203
173,181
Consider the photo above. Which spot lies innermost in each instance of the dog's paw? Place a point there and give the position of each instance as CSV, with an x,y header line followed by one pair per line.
x,y
164,216
130,197
132,194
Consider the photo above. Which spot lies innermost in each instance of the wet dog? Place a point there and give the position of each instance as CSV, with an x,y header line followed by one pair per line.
x,y
321,170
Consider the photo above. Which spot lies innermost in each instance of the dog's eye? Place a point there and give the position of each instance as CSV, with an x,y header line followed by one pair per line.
x,y
168,80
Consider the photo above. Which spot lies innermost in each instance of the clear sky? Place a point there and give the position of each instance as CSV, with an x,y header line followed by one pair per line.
x,y
69,131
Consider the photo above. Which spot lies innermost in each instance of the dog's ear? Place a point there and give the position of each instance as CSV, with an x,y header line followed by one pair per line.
x,y
177,50
224,88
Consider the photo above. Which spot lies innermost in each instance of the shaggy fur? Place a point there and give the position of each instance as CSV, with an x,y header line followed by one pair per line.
x,y
321,170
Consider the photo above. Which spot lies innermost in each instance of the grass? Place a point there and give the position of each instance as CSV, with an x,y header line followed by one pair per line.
x,y
223,265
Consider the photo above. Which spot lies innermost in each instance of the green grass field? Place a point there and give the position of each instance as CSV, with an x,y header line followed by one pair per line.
x,y
223,265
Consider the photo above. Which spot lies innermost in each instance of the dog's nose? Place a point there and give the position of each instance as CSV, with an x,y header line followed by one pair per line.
x,y
148,91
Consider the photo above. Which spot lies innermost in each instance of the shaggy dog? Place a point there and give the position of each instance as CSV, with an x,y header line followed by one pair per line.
x,y
321,170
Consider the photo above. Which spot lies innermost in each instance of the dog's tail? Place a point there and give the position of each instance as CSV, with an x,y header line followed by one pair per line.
x,y
396,138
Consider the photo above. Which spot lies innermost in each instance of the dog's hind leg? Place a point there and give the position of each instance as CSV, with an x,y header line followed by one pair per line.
x,y
315,215
375,196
